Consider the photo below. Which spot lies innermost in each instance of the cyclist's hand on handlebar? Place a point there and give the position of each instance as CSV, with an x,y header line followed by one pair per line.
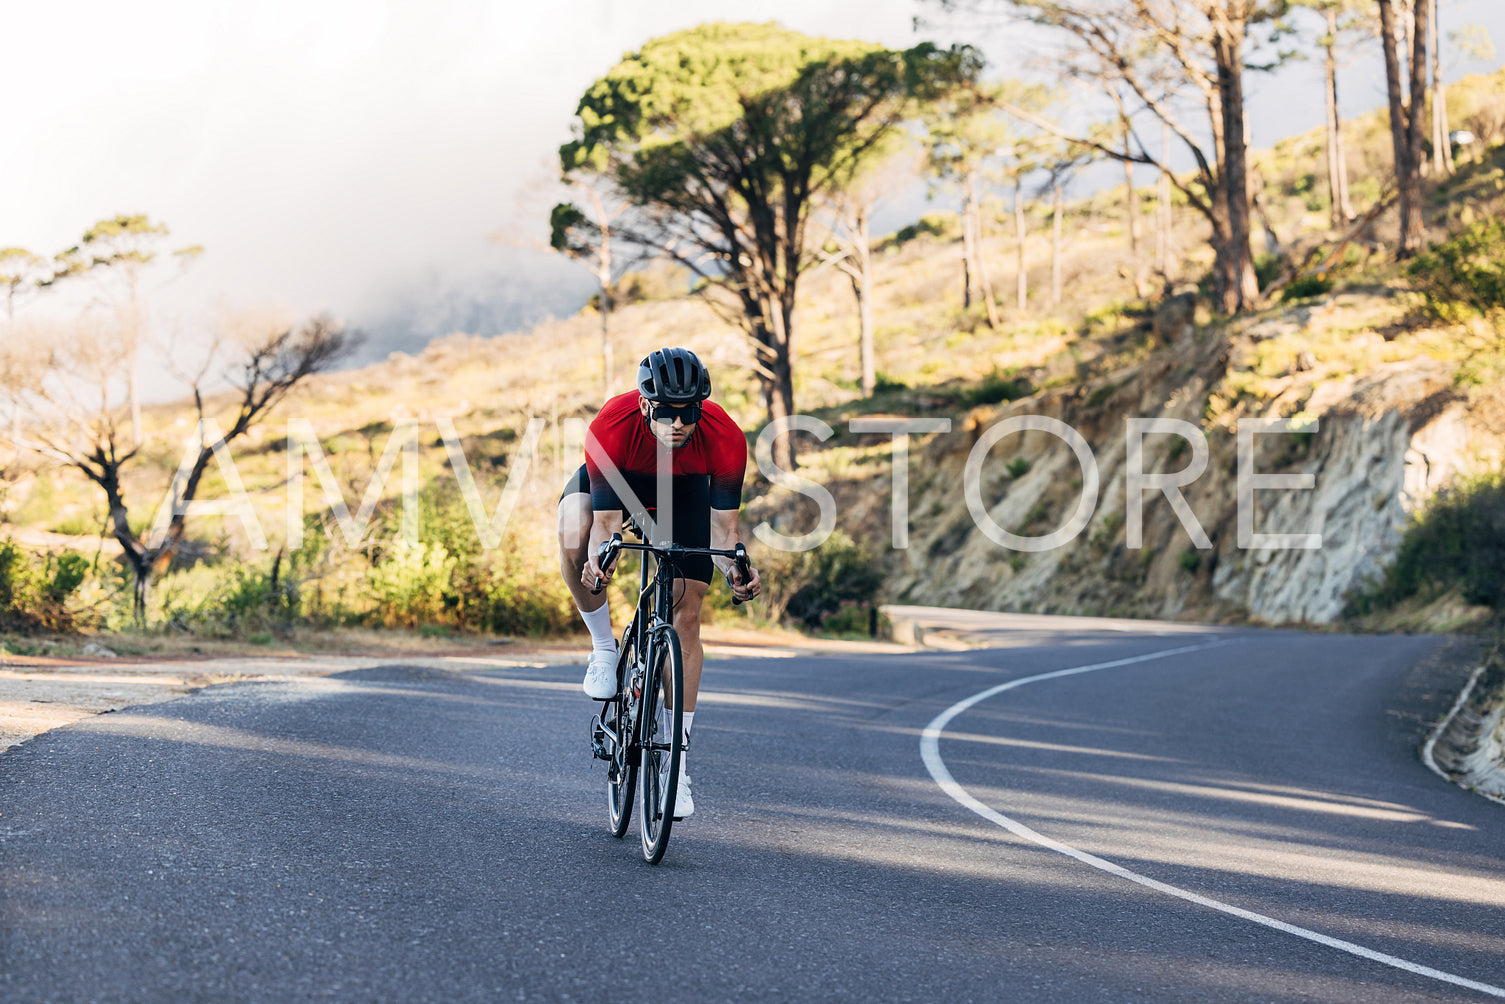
x,y
744,590
593,576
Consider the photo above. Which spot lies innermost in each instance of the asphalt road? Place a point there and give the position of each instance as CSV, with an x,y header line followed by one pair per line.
x,y
416,835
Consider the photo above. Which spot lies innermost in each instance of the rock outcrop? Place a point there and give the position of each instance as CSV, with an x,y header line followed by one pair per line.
x,y
1371,448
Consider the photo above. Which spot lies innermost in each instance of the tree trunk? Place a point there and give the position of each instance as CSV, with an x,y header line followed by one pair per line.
x,y
781,406
1442,148
603,276
984,282
1343,196
131,322
1402,117
1337,174
979,260
1057,210
1022,282
968,250
1416,128
1131,208
1163,218
862,285
1416,110
780,389
1240,288
1261,209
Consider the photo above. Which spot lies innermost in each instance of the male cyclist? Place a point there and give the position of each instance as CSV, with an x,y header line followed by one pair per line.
x,y
708,453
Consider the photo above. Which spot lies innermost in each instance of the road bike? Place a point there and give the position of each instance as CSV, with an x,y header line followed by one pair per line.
x,y
639,732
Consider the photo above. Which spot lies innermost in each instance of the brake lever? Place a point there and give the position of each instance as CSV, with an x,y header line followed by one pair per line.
x,y
605,558
739,555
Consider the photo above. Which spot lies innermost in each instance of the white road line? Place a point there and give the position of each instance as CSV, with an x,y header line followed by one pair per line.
x,y
930,752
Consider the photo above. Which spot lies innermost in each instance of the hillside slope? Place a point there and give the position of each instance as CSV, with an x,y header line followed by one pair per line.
x,y
1400,407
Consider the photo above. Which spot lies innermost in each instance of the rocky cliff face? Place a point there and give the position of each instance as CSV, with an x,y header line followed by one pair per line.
x,y
1383,446
1374,446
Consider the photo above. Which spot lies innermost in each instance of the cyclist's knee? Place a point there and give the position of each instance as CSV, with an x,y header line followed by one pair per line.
x,y
687,611
575,517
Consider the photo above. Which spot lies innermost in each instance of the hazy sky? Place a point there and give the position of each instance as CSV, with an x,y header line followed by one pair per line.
x,y
331,154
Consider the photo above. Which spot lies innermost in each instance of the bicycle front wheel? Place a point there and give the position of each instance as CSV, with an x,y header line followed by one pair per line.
x,y
662,737
622,767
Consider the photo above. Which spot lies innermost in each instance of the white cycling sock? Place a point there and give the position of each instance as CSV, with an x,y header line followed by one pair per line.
x,y
598,623
687,717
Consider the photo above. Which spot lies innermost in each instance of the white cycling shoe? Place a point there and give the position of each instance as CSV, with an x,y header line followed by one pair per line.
x,y
684,802
601,676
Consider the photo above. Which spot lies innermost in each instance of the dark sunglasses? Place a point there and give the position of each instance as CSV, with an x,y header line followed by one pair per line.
x,y
667,413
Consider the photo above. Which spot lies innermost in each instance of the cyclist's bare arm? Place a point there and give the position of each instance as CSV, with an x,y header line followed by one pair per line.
x,y
724,535
605,523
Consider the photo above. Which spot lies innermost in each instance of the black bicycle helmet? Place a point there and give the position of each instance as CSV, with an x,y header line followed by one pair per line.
x,y
673,376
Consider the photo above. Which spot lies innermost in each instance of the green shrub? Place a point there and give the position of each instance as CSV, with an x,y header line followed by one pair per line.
x,y
35,590
852,620
1103,393
1457,541
807,586
513,591
1307,285
1267,268
1017,468
231,599
412,583
1189,560
995,387
1464,276
68,571
931,225
77,525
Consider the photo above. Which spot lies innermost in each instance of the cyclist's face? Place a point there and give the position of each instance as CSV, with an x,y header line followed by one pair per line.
x,y
672,434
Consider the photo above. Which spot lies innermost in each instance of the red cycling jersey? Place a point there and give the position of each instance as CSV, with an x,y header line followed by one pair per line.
x,y
718,449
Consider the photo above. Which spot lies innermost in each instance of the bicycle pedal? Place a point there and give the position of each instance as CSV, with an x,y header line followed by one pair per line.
x,y
598,740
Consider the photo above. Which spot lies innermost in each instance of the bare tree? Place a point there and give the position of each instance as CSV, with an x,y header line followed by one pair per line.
x,y
586,238
1341,18
123,248
1155,54
972,245
22,274
1016,164
1059,166
1406,111
848,246
851,252
79,421
963,133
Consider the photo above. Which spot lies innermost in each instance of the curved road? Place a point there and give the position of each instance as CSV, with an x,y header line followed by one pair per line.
x,y
415,835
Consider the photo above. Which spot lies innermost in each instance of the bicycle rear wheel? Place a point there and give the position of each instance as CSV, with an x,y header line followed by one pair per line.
x,y
662,735
622,767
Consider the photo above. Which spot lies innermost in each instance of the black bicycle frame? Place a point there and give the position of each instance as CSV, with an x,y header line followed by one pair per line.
x,y
649,622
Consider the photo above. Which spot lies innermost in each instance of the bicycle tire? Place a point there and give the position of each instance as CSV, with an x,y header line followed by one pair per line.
x,y
622,769
659,782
